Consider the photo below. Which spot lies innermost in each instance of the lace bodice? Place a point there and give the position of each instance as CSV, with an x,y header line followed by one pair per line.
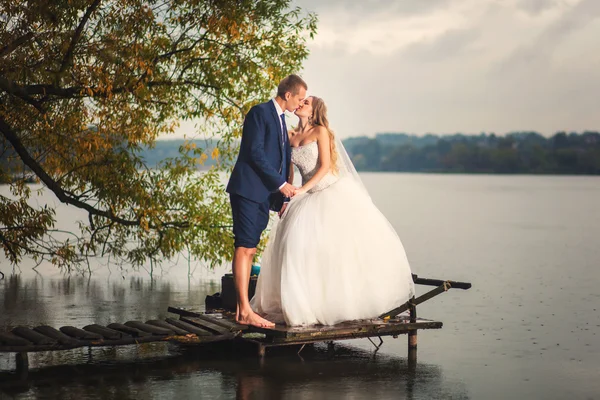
x,y
306,158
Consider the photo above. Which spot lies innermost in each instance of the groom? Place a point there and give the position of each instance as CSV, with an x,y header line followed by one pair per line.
x,y
258,183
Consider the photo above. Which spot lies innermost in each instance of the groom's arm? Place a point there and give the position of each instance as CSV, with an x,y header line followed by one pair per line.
x,y
290,181
254,131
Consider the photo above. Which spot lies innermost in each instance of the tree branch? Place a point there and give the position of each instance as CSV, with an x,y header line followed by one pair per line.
x,y
8,247
65,196
82,166
17,90
41,249
12,137
9,48
47,89
72,92
182,50
77,35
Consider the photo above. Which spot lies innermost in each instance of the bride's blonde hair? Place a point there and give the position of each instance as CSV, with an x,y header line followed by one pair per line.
x,y
319,118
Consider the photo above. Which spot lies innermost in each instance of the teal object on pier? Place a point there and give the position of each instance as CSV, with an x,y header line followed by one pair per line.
x,y
255,270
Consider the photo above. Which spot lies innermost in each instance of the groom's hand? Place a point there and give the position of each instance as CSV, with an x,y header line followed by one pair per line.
x,y
282,209
288,190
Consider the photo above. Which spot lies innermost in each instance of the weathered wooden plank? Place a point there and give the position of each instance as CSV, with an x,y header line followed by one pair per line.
x,y
92,343
189,327
56,335
383,329
32,336
414,302
10,339
182,312
182,340
216,318
166,325
196,340
80,334
372,327
128,330
375,330
107,333
155,330
281,330
438,282
276,331
209,326
225,322
130,340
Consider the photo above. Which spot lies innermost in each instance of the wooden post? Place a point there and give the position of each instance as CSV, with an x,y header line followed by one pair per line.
x,y
412,335
261,350
22,364
445,286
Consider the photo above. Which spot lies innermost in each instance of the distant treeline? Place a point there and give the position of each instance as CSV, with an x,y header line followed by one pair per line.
x,y
170,149
516,152
11,165
163,149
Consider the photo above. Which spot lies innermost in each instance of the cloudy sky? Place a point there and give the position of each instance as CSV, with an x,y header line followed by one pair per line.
x,y
445,66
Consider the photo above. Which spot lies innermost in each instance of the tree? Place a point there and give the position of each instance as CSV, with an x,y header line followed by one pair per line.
x,y
369,151
86,84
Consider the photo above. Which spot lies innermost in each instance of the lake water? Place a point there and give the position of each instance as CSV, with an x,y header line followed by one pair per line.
x,y
528,329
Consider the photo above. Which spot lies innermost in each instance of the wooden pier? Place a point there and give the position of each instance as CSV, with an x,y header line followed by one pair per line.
x,y
282,335
198,328
23,340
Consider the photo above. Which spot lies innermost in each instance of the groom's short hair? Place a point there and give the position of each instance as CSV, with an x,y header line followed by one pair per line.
x,y
290,83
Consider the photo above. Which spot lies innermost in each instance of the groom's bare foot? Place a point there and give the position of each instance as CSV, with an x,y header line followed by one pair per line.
x,y
253,319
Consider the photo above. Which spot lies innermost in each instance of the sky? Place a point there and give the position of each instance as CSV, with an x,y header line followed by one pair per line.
x,y
447,66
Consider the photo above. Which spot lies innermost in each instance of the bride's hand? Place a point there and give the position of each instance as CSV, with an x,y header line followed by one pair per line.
x,y
299,191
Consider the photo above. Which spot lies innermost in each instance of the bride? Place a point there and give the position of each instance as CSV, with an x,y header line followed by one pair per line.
x,y
332,256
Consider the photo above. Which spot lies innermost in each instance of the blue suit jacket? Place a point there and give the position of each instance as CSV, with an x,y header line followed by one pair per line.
x,y
264,159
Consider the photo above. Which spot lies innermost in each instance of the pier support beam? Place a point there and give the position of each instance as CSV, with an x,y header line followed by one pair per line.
x,y
261,351
412,335
22,364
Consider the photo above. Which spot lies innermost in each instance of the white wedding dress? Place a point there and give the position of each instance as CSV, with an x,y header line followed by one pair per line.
x,y
332,257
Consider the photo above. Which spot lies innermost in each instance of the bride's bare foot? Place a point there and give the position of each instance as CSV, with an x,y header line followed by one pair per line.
x,y
253,319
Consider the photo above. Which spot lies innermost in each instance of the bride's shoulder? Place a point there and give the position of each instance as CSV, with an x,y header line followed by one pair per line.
x,y
321,133
318,130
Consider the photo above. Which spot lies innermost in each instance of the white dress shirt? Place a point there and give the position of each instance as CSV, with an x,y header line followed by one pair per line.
x,y
279,112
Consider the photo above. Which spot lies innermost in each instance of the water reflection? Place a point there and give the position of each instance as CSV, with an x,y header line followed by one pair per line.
x,y
162,370
80,300
528,329
350,373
